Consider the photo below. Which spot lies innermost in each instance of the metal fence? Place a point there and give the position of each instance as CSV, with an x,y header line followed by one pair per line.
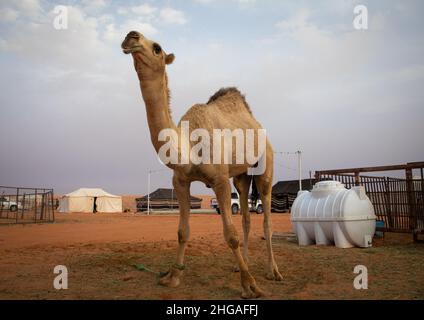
x,y
399,202
26,205
283,202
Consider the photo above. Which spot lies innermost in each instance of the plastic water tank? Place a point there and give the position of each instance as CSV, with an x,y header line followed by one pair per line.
x,y
330,213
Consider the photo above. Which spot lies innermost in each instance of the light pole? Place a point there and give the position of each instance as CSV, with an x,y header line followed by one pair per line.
x,y
299,168
148,187
148,192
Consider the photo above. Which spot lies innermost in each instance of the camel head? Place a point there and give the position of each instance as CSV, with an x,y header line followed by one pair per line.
x,y
149,57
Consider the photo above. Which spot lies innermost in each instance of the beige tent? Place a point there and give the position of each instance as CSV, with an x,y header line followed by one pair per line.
x,y
90,200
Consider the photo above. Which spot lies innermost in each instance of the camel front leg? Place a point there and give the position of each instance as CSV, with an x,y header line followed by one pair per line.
x,y
182,191
222,190
264,185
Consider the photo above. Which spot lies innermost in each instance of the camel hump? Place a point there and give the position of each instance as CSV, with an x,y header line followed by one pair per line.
x,y
227,92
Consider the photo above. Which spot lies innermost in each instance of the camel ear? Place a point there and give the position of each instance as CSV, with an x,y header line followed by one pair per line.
x,y
169,58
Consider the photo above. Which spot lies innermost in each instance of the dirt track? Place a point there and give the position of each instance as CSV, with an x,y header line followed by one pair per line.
x,y
71,229
100,251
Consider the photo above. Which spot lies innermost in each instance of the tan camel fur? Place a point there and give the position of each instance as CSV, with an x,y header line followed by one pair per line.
x,y
227,109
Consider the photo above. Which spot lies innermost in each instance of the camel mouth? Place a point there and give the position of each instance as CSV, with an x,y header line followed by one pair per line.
x,y
132,49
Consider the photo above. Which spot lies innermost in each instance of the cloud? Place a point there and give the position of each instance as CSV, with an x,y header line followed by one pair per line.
x,y
45,43
8,15
203,1
298,69
172,16
324,53
10,10
86,33
294,23
149,15
242,2
93,6
144,9
94,3
28,7
115,33
122,10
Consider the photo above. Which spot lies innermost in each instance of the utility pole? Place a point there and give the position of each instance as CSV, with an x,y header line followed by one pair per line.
x,y
299,167
148,187
148,192
310,178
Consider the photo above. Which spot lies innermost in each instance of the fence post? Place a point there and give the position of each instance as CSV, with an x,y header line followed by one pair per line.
x,y
317,176
411,202
357,181
53,204
388,202
17,199
35,207
43,199
23,207
1,205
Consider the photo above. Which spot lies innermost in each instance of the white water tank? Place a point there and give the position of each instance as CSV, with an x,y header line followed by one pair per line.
x,y
330,213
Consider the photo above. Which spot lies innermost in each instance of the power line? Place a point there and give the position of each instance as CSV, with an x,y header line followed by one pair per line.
x,y
292,169
157,170
284,166
286,152
299,163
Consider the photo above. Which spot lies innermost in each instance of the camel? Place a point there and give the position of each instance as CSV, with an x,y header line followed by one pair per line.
x,y
225,109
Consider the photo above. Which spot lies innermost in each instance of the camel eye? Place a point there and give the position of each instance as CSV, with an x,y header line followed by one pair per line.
x,y
156,48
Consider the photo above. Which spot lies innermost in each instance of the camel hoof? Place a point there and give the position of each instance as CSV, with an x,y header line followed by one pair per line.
x,y
252,292
169,280
274,275
236,268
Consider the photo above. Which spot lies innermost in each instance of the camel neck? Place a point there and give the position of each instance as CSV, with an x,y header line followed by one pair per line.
x,y
156,97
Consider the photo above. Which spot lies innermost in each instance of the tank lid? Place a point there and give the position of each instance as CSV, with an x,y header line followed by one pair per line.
x,y
328,186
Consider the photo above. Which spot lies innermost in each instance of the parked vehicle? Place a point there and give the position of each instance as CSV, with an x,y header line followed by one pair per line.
x,y
7,204
235,204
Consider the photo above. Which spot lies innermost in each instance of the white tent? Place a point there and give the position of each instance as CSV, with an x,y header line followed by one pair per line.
x,y
88,199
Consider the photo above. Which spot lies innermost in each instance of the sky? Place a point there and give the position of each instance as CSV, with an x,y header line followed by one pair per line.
x,y
72,114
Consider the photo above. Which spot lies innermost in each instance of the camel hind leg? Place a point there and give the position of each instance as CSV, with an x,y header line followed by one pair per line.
x,y
242,184
222,189
264,185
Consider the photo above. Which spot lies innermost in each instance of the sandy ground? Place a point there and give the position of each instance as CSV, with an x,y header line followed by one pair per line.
x,y
100,251
81,228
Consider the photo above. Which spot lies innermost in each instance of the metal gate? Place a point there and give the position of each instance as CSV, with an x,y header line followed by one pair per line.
x,y
26,205
398,202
